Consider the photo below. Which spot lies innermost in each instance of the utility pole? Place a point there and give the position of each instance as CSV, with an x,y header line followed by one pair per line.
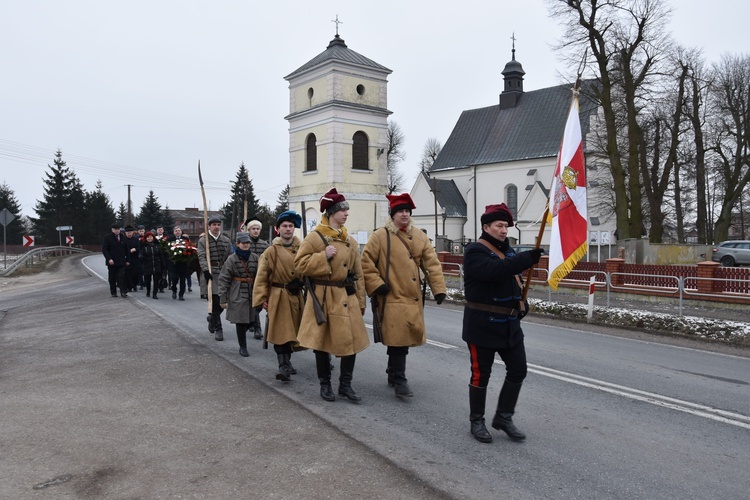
x,y
130,208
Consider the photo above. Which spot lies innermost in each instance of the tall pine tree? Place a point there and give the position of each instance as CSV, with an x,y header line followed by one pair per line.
x,y
14,231
233,211
282,202
122,214
150,214
63,203
99,217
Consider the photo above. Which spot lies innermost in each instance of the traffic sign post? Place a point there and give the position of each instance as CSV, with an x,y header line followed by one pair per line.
x,y
6,217
28,241
59,230
69,240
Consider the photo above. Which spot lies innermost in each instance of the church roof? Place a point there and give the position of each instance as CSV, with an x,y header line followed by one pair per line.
x,y
338,51
533,128
448,196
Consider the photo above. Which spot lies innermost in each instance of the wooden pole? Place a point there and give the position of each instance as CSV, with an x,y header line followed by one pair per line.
x,y
205,235
538,243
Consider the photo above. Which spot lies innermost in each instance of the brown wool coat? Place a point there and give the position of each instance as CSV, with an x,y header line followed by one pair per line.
x,y
403,319
237,294
276,265
344,332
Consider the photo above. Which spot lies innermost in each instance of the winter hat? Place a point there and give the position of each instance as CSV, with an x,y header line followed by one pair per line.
x,y
148,233
333,202
497,212
214,218
253,223
116,225
128,228
243,237
398,202
290,216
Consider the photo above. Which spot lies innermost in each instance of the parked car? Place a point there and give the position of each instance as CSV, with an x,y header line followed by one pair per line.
x,y
523,248
732,253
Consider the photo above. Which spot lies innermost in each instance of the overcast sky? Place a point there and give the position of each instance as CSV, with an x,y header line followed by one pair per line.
x,y
137,92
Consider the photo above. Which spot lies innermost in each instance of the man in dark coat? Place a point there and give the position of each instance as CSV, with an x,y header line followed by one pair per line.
x,y
133,267
219,249
115,254
492,315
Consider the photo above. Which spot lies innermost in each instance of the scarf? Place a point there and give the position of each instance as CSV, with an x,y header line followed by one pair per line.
x,y
503,246
327,231
244,255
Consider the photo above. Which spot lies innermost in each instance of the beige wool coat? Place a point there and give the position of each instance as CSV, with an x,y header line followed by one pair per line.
x,y
344,332
276,266
403,318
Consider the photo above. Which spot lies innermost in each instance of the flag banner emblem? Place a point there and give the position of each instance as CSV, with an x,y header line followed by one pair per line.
x,y
568,215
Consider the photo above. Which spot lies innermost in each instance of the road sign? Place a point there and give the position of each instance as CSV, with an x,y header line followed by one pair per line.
x,y
6,217
69,240
28,241
64,228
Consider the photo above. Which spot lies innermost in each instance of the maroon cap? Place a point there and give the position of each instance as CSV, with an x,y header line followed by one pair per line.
x,y
332,202
497,212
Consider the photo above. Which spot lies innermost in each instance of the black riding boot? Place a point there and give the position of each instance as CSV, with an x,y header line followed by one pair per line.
x,y
477,398
397,374
285,367
242,339
345,379
323,365
506,406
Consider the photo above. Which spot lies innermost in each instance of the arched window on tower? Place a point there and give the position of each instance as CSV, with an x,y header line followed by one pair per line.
x,y
511,199
311,154
360,151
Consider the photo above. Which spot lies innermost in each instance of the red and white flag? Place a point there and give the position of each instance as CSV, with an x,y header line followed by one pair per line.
x,y
567,211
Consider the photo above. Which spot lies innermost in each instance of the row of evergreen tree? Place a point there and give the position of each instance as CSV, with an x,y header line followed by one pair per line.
x,y
65,202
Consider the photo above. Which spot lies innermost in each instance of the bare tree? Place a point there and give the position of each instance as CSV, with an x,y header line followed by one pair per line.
x,y
395,155
430,153
730,102
625,41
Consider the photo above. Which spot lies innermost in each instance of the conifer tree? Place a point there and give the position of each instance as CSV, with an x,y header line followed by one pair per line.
x,y
282,202
233,211
14,231
99,217
122,213
150,214
63,203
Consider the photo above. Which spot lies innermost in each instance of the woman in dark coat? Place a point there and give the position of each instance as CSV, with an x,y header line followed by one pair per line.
x,y
152,261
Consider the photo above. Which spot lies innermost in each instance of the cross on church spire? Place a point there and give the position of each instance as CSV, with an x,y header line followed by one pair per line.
x,y
513,37
337,23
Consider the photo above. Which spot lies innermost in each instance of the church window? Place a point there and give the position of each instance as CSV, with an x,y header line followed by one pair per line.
x,y
360,150
310,93
311,154
511,198
361,89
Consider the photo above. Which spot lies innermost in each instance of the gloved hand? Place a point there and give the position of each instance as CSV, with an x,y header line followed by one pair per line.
x,y
535,253
207,276
439,298
383,290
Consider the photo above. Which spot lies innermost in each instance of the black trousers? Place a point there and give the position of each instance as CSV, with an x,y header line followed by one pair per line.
x,y
482,359
116,278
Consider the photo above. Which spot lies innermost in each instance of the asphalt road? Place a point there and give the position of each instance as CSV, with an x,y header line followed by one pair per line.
x,y
607,416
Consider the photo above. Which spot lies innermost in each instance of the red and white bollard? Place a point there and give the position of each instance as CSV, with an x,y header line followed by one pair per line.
x,y
592,286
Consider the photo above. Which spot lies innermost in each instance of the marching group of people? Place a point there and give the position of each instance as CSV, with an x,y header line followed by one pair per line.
x,y
314,294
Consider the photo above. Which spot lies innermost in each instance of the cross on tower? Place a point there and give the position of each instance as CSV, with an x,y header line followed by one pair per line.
x,y
513,37
337,24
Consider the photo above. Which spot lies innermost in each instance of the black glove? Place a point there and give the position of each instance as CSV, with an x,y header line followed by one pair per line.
x,y
207,276
383,290
522,314
535,253
439,298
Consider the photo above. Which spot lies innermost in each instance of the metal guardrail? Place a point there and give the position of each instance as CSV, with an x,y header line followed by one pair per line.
x,y
684,287
38,255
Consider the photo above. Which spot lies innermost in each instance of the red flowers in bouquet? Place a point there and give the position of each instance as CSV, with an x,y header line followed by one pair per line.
x,y
181,251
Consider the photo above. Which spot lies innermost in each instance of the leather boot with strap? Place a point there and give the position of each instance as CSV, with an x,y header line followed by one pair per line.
x,y
506,406
323,365
477,400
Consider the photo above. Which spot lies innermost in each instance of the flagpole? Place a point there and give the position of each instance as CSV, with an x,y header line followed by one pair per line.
x,y
527,284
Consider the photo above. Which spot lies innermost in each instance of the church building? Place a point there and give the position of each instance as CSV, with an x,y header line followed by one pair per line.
x,y
504,153
338,120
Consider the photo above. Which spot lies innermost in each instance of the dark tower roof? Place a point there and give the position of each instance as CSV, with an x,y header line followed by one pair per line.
x,y
338,51
513,79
